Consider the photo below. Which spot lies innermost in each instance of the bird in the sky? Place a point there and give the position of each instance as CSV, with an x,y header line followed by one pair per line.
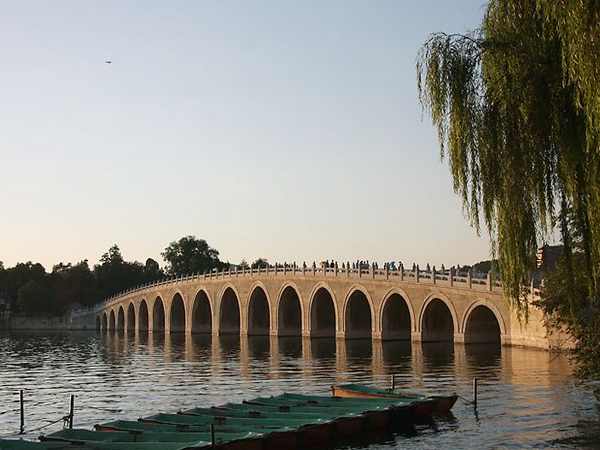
x,y
108,61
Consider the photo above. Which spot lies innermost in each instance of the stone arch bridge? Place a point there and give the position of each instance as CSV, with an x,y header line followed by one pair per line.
x,y
326,302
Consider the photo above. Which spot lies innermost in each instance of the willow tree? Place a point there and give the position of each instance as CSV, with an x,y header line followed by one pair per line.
x,y
516,105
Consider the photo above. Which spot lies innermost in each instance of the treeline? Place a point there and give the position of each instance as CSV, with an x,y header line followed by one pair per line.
x,y
29,289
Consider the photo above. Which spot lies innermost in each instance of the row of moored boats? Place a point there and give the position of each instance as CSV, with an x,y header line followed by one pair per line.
x,y
287,421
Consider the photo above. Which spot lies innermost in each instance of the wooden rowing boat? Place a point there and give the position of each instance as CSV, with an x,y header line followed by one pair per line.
x,y
442,404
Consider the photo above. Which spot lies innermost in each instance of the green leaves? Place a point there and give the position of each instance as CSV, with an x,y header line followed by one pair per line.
x,y
190,255
516,105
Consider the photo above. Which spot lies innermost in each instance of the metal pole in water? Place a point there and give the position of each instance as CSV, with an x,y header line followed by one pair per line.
x,y
475,392
71,412
22,412
393,382
212,434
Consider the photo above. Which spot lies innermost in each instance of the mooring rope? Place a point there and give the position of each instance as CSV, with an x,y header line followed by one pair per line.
x,y
64,419
468,402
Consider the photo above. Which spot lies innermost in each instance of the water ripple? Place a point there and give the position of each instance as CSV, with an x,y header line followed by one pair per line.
x,y
527,398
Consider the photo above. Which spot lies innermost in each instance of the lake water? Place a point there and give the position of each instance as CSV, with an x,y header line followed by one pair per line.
x,y
527,398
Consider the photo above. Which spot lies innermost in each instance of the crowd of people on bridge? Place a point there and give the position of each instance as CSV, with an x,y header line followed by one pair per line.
x,y
374,265
365,264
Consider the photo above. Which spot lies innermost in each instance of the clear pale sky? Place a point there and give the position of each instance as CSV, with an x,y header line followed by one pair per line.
x,y
289,130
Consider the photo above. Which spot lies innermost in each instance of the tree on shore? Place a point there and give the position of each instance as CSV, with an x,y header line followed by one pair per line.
x,y
190,255
13,278
73,284
152,271
259,263
114,274
35,299
516,105
33,291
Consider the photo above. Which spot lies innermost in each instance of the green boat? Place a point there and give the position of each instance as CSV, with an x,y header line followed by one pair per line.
x,y
77,435
247,411
442,404
20,444
322,401
135,426
287,421
236,422
7,444
352,415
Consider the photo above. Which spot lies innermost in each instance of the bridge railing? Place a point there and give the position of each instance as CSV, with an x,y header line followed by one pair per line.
x,y
465,279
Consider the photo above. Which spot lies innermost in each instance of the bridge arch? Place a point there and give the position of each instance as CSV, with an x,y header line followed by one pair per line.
x,y
290,311
396,318
120,318
358,313
104,322
229,310
143,321
112,321
202,307
483,323
130,318
158,315
438,319
323,313
177,314
259,310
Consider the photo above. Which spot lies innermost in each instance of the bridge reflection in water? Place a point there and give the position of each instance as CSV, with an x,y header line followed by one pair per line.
x,y
374,361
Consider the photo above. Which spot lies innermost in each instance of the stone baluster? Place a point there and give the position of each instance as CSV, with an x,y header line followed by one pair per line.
x,y
417,273
470,278
451,276
433,274
489,281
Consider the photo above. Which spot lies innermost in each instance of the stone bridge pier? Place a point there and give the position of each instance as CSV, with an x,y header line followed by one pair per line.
x,y
348,304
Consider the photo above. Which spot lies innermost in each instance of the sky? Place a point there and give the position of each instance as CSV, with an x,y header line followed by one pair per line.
x,y
280,129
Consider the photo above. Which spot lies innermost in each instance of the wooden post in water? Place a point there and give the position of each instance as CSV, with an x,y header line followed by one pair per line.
x,y
212,435
22,412
393,382
475,392
71,412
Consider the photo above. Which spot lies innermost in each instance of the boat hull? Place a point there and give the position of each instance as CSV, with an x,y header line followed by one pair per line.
x,y
440,404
